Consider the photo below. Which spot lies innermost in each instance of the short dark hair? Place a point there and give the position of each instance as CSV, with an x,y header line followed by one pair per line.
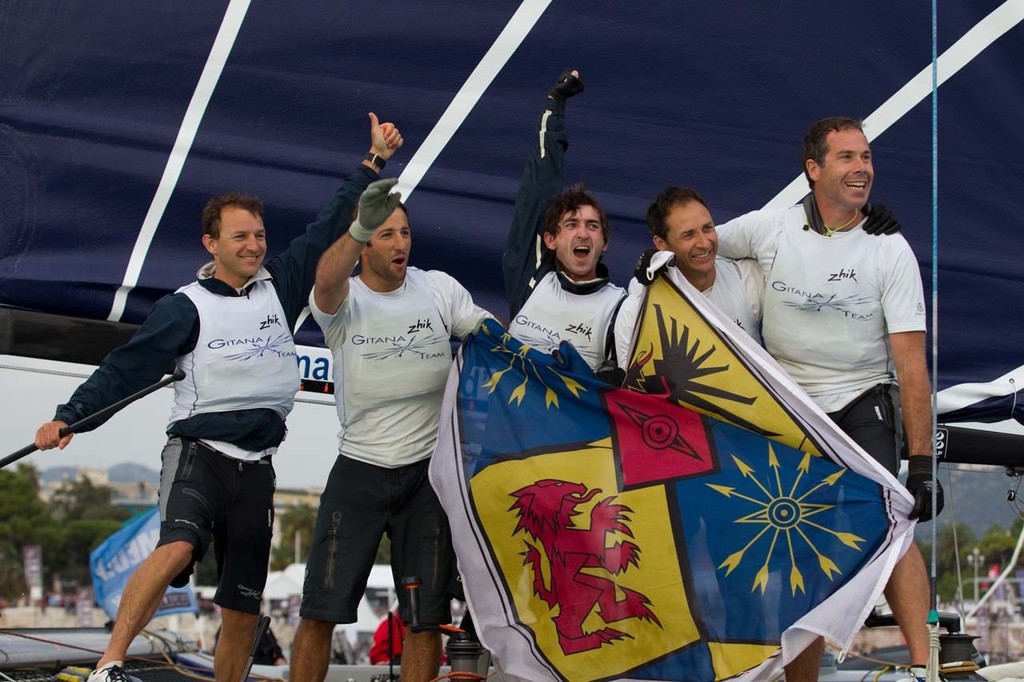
x,y
213,208
570,201
670,197
815,144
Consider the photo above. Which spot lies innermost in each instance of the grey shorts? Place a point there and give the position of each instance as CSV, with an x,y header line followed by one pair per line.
x,y
206,496
361,503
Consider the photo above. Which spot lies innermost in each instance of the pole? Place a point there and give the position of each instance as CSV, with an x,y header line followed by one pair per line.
x,y
99,415
976,555
261,629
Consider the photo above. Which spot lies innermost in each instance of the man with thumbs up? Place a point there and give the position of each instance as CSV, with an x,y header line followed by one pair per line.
x,y
389,330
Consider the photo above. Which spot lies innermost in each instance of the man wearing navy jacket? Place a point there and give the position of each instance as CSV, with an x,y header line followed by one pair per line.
x,y
557,287
231,333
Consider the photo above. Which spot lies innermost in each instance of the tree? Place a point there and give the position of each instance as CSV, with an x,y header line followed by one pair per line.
x,y
383,551
79,538
24,520
997,544
296,534
297,524
83,500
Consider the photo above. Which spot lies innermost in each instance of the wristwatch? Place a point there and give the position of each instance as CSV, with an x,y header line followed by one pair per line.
x,y
378,161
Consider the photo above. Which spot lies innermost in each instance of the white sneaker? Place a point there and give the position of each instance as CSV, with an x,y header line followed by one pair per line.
x,y
112,672
916,674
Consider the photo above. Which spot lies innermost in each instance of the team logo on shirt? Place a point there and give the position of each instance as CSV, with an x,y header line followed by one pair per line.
x,y
547,339
551,336
842,275
420,326
251,347
813,301
272,319
387,347
580,328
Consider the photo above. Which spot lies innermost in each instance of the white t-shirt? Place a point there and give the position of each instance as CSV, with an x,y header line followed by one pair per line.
x,y
392,356
552,315
737,291
830,302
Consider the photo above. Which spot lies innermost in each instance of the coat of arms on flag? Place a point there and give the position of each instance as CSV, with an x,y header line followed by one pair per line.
x,y
606,533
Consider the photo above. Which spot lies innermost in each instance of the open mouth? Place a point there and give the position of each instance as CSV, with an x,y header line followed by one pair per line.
x,y
581,250
399,261
861,184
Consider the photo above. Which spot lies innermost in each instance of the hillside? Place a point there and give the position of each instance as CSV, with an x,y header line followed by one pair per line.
x,y
977,498
126,472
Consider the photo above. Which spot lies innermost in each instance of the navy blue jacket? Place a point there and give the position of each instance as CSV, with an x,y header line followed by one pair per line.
x,y
172,329
543,180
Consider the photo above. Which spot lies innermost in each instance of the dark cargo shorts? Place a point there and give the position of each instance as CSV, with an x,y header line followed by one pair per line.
x,y
207,496
872,420
361,503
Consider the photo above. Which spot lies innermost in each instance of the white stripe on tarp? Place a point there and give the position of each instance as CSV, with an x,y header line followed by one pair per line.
x,y
507,42
218,56
983,34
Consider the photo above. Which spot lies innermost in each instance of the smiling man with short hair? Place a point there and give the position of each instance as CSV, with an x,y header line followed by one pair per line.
x,y
844,315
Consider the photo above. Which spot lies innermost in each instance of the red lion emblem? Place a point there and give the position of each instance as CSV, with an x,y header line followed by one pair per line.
x,y
546,509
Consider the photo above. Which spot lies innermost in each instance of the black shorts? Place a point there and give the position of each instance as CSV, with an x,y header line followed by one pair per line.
x,y
872,421
360,504
206,496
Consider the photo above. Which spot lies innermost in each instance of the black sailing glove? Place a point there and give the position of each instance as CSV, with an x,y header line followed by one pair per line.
x,y
568,84
880,220
919,483
642,269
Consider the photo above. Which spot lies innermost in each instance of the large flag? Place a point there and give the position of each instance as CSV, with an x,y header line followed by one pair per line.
x,y
113,562
706,525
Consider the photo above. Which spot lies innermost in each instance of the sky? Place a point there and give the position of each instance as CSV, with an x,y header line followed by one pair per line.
x,y
136,434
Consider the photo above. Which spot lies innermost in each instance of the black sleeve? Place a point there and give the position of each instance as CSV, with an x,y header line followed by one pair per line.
x,y
170,330
526,258
294,270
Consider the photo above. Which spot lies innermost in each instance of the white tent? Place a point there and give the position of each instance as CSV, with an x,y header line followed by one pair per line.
x,y
380,592
281,585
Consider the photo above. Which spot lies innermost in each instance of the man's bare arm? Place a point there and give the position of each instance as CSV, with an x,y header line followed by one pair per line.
x,y
333,272
908,353
337,263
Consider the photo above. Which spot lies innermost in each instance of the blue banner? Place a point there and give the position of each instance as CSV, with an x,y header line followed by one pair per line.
x,y
113,562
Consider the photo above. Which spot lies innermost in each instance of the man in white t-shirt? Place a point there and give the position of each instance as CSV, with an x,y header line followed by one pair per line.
x,y
844,315
389,330
687,248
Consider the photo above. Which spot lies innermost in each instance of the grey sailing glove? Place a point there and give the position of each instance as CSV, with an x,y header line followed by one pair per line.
x,y
375,205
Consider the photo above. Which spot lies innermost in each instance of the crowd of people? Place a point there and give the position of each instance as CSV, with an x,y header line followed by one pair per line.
x,y
352,267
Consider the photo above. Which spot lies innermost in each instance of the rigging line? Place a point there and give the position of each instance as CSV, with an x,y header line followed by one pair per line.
x,y
1010,566
215,62
956,57
86,375
50,372
935,309
951,503
510,38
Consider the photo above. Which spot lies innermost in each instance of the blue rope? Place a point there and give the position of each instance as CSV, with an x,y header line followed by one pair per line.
x,y
933,616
